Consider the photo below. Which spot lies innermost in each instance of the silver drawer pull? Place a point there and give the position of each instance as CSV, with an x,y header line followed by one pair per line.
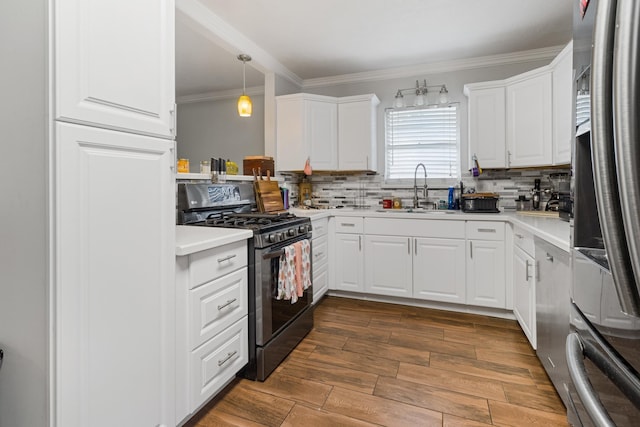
x,y
227,258
227,304
347,224
227,357
549,257
319,254
519,236
486,230
526,273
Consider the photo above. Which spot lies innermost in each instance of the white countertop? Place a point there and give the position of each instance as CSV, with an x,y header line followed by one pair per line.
x,y
191,239
553,230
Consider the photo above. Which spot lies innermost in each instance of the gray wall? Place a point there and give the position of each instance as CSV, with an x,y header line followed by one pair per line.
x,y
23,218
214,129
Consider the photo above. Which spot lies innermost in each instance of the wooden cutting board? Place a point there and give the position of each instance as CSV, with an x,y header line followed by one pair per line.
x,y
548,214
268,197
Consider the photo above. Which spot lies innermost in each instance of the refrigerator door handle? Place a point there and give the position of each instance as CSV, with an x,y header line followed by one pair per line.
x,y
626,89
604,165
587,394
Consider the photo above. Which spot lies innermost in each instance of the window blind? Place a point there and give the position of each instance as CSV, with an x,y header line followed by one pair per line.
x,y
422,135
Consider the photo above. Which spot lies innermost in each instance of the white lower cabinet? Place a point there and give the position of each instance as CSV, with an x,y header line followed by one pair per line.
x,y
439,270
348,262
211,323
320,254
348,254
387,265
114,300
486,281
524,293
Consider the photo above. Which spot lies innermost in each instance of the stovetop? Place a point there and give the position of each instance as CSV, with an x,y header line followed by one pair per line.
x,y
268,229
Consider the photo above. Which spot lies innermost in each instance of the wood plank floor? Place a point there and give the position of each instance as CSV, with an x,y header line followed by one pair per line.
x,y
368,363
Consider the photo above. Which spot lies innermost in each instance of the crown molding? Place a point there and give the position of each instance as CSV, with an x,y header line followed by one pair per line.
x,y
219,95
437,67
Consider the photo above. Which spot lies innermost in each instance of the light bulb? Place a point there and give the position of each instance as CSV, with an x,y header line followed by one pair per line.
x,y
399,101
245,107
444,95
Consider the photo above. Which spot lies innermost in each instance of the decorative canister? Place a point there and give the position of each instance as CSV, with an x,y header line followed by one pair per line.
x,y
387,203
397,203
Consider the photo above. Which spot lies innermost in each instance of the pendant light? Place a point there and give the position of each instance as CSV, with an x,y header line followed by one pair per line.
x,y
244,102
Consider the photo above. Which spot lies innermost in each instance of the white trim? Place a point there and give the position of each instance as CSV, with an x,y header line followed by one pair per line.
x,y
219,95
438,67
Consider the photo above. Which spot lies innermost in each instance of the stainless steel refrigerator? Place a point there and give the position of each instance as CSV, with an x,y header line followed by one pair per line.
x,y
603,347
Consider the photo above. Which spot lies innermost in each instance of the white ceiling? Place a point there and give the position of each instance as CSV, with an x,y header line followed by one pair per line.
x,y
323,38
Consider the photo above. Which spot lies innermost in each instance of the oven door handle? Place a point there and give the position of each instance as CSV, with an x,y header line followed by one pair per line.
x,y
578,373
275,254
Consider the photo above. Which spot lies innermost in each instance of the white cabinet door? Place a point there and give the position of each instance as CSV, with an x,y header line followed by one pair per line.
x,y
562,106
487,124
306,128
387,265
439,270
529,121
486,273
357,133
524,294
348,262
114,296
114,64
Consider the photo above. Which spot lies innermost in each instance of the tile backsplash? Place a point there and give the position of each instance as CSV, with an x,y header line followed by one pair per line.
x,y
367,191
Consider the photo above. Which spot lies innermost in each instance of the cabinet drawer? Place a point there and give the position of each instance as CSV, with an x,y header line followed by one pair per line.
x,y
347,224
319,227
320,249
444,229
524,240
218,361
216,262
216,305
485,230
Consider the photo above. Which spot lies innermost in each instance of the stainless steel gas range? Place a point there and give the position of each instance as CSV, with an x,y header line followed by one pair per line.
x,y
275,326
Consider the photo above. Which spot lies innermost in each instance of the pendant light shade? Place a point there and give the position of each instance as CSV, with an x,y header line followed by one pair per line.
x,y
245,106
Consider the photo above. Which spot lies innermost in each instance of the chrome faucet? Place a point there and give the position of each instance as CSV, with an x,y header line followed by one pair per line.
x,y
415,185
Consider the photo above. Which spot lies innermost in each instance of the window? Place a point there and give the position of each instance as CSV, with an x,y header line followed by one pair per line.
x,y
422,135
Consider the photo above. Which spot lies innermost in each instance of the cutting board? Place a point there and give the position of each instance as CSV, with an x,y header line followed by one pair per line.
x,y
268,197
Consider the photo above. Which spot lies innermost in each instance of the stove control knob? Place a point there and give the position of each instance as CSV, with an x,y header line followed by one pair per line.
x,y
302,229
280,236
271,238
291,232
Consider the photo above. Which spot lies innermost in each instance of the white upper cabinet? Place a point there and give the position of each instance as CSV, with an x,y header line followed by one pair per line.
x,y
114,64
357,132
562,105
487,124
333,133
523,121
306,128
529,120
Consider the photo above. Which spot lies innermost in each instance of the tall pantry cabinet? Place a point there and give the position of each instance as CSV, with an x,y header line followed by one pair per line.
x,y
112,298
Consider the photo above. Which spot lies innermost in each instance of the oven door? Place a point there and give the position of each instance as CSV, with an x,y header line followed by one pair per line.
x,y
273,315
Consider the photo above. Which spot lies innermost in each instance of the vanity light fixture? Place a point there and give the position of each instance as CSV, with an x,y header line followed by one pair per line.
x,y
245,106
421,92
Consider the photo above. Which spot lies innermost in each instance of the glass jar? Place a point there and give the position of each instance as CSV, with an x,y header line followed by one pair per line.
x,y
183,165
205,167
